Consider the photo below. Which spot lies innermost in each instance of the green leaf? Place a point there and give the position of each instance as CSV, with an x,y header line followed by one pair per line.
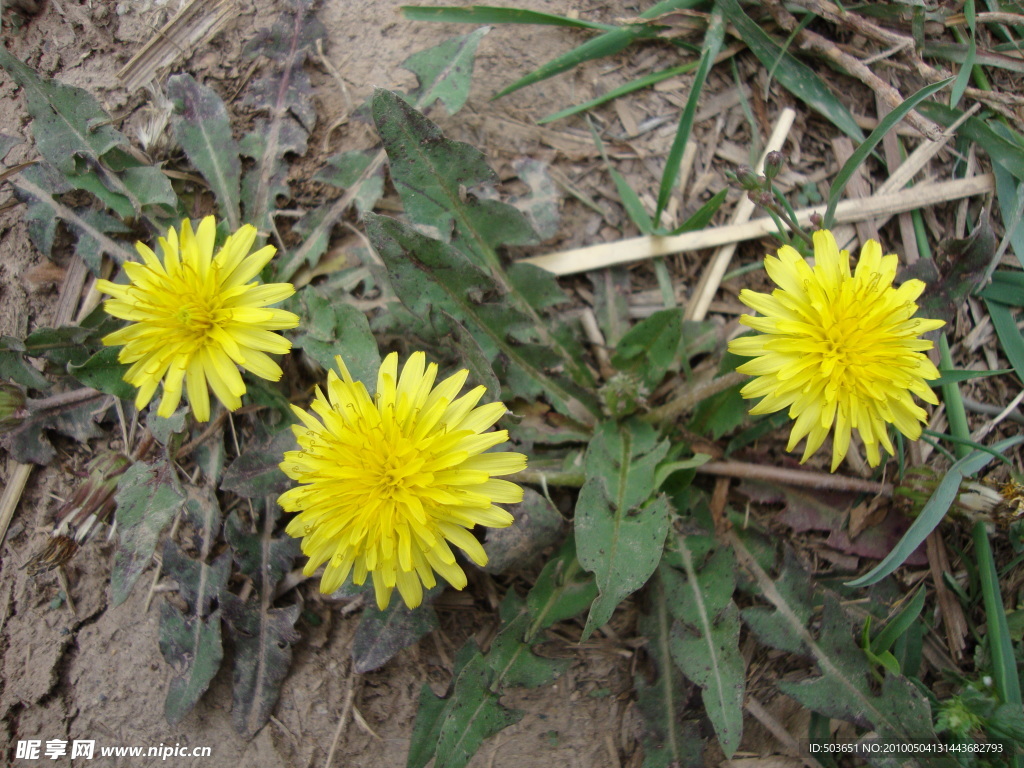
x,y
1011,205
705,638
429,714
651,347
933,511
719,414
1002,150
607,44
510,657
775,627
190,641
60,346
899,624
622,90
284,92
712,44
14,367
93,229
68,122
335,328
29,441
257,471
963,77
796,77
703,215
148,496
427,274
203,129
445,71
1010,338
486,14
433,175
620,524
262,635
371,184
345,170
562,590
149,186
845,688
538,524
36,188
661,697
1000,645
455,727
102,371
382,634
961,272
471,714
463,346
860,154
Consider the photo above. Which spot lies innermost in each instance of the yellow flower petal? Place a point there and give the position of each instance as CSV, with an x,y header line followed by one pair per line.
x,y
838,349
195,317
387,482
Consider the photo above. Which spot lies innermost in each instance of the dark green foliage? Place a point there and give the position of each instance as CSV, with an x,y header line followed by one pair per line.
x,y
190,641
620,523
263,635
148,497
453,728
428,274
382,634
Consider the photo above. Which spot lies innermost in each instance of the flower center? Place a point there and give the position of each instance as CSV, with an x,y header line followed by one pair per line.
x,y
393,467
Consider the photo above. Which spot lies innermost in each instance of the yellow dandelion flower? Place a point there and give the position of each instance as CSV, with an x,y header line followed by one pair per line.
x,y
389,481
196,317
839,349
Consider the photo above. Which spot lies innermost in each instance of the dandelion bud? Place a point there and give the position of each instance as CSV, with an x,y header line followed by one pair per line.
x,y
773,162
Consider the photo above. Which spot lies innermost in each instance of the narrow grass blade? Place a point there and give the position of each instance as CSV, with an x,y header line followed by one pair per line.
x,y
1004,151
1010,338
488,14
622,90
1011,205
963,77
1000,646
608,44
796,77
702,216
932,512
899,624
627,195
712,44
885,125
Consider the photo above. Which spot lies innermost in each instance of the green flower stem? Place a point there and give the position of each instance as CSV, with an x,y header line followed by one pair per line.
x,y
540,477
691,396
956,415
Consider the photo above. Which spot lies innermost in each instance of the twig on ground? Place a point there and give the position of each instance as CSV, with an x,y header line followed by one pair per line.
x,y
853,66
805,478
648,246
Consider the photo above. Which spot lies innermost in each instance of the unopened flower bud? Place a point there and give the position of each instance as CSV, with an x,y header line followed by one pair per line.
x,y
623,394
773,162
747,179
816,220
